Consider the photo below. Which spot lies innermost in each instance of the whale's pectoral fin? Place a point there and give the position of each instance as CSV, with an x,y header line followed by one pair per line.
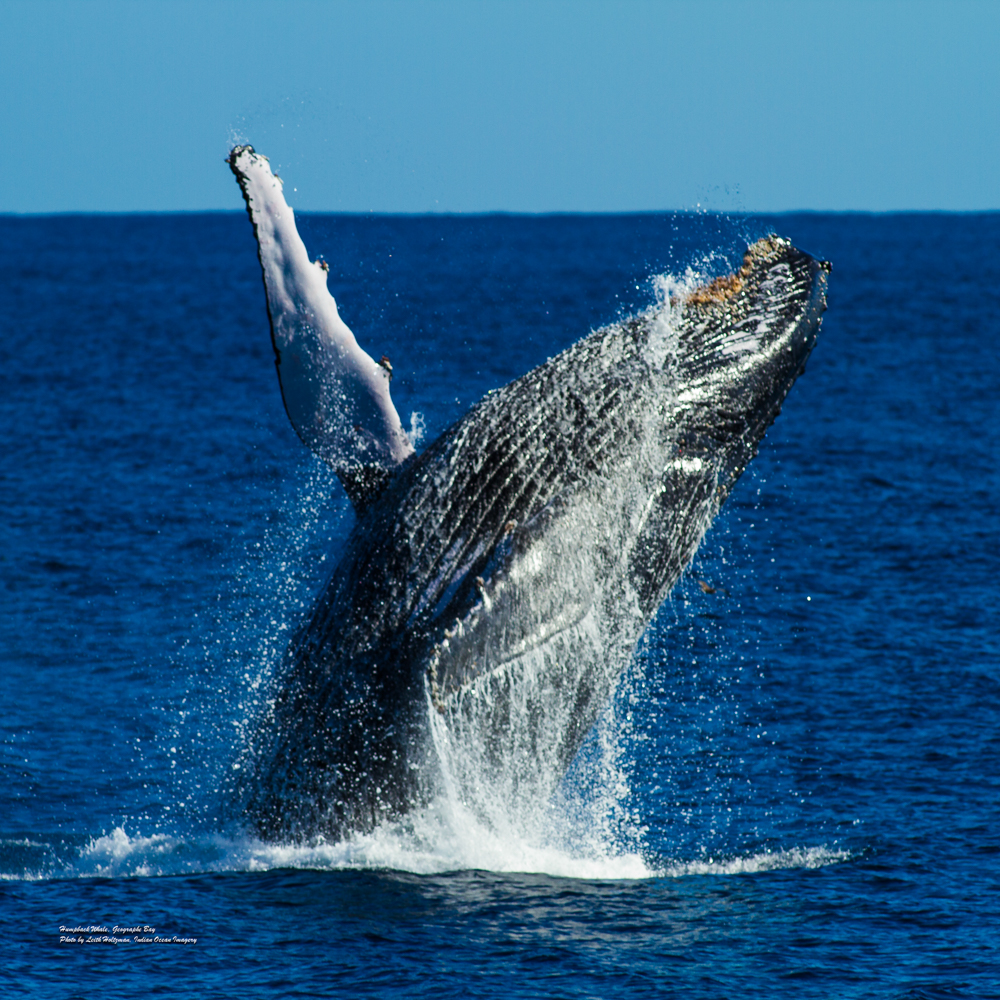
x,y
335,394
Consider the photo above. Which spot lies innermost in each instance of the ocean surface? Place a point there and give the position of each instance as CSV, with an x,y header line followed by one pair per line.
x,y
795,790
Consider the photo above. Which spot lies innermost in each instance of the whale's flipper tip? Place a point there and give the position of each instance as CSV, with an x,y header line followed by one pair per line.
x,y
238,153
240,159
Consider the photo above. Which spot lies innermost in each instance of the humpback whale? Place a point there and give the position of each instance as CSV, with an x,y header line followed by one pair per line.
x,y
495,585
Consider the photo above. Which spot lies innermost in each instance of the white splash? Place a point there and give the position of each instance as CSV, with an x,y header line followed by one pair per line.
x,y
440,839
418,428
671,292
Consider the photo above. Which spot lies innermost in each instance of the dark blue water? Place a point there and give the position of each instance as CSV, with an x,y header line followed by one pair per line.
x,y
801,792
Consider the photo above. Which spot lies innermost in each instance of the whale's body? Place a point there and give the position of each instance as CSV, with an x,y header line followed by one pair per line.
x,y
497,583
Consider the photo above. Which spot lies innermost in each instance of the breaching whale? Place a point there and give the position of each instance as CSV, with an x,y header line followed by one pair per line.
x,y
496,584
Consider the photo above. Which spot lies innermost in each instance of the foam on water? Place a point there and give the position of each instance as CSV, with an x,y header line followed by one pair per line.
x,y
436,840
439,839
765,861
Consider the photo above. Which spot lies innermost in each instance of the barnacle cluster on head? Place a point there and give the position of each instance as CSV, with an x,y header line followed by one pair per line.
x,y
721,289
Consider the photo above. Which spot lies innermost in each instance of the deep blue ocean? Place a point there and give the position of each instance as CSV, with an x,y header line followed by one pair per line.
x,y
796,792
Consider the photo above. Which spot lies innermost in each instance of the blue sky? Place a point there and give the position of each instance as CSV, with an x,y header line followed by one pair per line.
x,y
480,106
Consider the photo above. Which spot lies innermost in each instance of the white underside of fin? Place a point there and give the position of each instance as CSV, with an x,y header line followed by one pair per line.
x,y
336,395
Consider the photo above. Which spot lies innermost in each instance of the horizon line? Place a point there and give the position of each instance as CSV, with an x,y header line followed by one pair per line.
x,y
492,213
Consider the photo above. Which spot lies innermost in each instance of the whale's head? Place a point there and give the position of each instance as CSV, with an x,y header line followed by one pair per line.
x,y
742,341
728,351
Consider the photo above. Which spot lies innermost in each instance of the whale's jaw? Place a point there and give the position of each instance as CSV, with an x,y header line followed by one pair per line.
x,y
500,583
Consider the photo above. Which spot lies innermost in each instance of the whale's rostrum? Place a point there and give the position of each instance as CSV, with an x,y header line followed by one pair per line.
x,y
497,583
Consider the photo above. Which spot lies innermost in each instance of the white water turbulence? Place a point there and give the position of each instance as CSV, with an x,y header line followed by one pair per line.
x,y
433,843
